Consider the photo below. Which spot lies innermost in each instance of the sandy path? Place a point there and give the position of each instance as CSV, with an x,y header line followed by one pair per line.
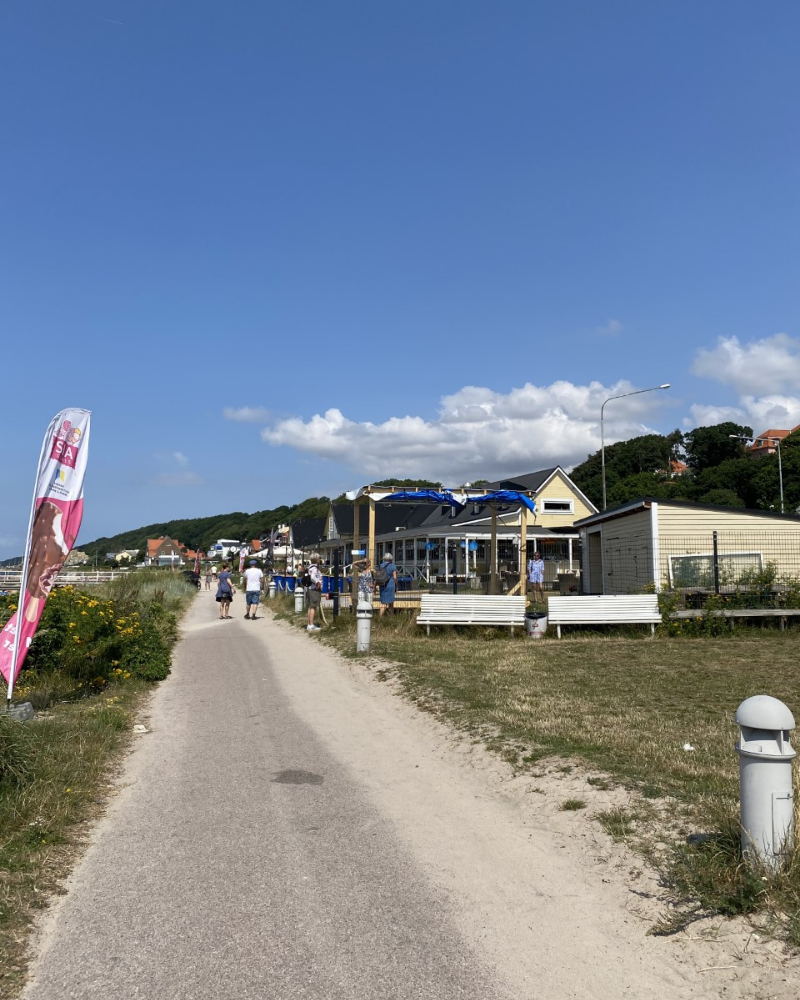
x,y
292,828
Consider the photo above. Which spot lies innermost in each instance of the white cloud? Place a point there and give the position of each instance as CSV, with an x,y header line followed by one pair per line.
x,y
247,414
180,458
758,370
758,367
705,415
762,413
613,328
478,432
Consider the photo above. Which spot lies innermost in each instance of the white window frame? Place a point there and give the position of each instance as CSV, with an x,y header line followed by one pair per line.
x,y
567,500
673,559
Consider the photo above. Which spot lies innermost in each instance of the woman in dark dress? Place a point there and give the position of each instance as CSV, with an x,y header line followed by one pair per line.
x,y
225,592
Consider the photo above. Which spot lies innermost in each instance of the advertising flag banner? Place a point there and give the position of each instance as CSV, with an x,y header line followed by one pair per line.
x,y
56,514
197,561
242,555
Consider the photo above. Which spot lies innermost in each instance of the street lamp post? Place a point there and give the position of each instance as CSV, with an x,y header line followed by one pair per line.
x,y
636,392
777,443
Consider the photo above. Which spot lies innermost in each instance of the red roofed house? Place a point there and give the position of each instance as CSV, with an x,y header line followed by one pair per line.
x,y
677,468
765,444
164,552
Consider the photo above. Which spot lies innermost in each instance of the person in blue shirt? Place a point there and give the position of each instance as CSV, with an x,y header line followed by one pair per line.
x,y
388,589
536,576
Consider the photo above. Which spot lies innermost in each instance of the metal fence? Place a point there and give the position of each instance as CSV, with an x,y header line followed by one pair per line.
x,y
761,568
10,579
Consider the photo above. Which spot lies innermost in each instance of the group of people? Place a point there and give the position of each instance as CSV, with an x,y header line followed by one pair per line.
x,y
253,582
384,581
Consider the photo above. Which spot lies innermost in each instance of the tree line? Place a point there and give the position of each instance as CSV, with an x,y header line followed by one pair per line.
x,y
202,532
719,469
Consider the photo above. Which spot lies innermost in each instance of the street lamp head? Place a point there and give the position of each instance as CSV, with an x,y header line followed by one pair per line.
x,y
664,386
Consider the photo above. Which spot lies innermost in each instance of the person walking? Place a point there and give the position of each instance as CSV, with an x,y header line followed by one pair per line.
x,y
386,578
225,591
536,576
253,585
208,579
313,584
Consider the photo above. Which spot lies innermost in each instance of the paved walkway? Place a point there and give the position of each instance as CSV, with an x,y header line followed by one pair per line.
x,y
289,829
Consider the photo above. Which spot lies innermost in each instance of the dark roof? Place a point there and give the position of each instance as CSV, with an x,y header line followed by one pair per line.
x,y
631,506
308,531
409,514
388,516
530,481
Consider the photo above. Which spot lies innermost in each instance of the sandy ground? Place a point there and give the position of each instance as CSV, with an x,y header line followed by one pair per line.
x,y
553,900
492,889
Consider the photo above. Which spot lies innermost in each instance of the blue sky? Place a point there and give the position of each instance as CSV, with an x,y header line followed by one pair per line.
x,y
282,249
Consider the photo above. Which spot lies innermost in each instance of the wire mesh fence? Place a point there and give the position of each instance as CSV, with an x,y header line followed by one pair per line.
x,y
752,568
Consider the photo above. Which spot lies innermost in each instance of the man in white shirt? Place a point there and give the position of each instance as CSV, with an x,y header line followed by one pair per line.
x,y
253,582
314,593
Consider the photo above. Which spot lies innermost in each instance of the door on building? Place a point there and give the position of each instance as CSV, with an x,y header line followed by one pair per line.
x,y
595,543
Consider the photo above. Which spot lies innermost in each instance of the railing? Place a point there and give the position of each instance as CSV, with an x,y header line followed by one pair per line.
x,y
11,579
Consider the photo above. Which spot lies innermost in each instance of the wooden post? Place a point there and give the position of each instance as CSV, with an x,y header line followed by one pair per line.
x,y
371,541
523,549
356,540
493,554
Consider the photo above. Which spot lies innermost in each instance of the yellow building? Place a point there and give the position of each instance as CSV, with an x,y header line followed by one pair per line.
x,y
670,545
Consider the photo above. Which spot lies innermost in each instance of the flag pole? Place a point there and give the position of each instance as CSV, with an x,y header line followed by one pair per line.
x,y
25,563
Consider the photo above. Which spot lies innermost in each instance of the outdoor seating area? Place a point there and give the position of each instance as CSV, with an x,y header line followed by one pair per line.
x,y
631,609
471,609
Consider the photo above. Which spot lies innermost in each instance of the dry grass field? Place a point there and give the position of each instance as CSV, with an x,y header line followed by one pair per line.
x,y
626,705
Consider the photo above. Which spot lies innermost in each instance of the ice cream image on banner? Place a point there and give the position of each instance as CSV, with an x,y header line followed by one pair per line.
x,y
47,554
54,522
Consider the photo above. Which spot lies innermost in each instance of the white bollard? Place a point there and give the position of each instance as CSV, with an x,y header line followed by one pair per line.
x,y
271,589
299,595
765,778
363,626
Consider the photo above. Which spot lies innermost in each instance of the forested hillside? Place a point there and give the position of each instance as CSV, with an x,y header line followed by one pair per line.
x,y
201,532
720,471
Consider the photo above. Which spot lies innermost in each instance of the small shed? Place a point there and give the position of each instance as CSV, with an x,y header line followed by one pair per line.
x,y
672,545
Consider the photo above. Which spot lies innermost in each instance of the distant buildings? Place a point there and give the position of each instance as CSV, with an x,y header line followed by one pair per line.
x,y
765,444
167,552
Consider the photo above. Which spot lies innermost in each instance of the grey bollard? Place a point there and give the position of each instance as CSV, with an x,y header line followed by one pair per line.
x,y
765,779
363,626
271,589
299,595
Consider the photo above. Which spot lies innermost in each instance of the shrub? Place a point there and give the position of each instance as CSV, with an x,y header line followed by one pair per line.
x,y
89,638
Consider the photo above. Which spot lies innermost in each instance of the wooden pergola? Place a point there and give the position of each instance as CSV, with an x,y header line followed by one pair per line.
x,y
371,495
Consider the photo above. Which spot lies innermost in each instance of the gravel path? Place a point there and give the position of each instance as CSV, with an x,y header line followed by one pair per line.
x,y
291,829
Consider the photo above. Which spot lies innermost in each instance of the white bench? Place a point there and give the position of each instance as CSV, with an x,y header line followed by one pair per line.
x,y
596,609
471,609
